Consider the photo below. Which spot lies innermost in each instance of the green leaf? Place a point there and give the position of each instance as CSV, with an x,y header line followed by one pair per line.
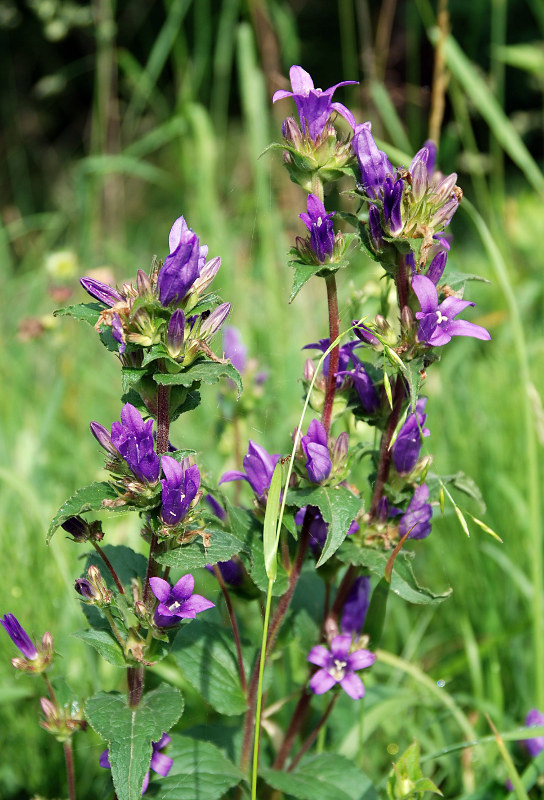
x,y
403,580
406,781
529,57
270,539
126,563
245,525
207,656
158,352
457,280
105,644
303,273
323,777
200,770
338,506
207,371
86,312
130,731
375,618
89,498
223,546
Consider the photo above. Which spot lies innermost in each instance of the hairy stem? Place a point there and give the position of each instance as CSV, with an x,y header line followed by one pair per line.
x,y
234,625
334,330
69,758
385,449
109,565
135,677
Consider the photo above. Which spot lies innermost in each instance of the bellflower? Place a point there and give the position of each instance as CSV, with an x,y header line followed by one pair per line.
x,y
364,385
536,745
19,637
345,355
133,439
160,763
356,606
437,323
234,348
177,602
417,517
374,165
392,200
101,291
316,449
230,570
183,265
319,223
314,106
339,666
408,443
317,527
179,488
259,467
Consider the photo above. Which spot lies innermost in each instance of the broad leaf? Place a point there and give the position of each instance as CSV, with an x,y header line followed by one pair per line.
x,y
207,371
247,527
87,312
206,654
200,770
338,506
105,644
223,546
303,273
323,777
126,563
403,580
158,352
89,498
130,732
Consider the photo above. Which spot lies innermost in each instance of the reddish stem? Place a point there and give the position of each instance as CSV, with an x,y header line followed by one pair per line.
x,y
234,625
312,737
109,565
69,758
334,330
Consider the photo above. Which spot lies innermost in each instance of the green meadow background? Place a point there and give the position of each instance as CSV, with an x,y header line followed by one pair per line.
x,y
118,117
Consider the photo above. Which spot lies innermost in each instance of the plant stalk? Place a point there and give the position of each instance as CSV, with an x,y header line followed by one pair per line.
x,y
70,776
334,330
234,625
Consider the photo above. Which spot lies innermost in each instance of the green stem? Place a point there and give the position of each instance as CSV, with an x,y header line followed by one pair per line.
x,y
262,659
114,627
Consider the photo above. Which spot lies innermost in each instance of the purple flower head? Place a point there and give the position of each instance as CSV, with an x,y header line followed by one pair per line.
x,y
316,450
317,526
536,745
101,291
356,606
177,602
234,348
259,467
230,570
314,106
103,437
216,507
179,272
437,267
319,223
408,443
179,488
133,439
160,763
364,386
19,637
392,199
338,665
437,323
180,233
417,517
373,163
345,355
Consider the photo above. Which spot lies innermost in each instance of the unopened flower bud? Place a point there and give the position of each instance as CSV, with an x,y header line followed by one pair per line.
x,y
176,333
382,324
419,180
375,228
141,611
340,452
291,132
47,643
436,267
444,188
93,588
207,274
49,710
444,214
309,369
212,324
101,291
143,284
407,318
77,527
103,437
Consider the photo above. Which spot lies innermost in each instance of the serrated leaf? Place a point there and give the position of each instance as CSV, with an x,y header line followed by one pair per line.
x,y
223,546
200,770
130,732
86,312
247,527
303,273
207,371
403,580
158,352
105,645
270,540
89,498
323,777
207,657
338,507
131,377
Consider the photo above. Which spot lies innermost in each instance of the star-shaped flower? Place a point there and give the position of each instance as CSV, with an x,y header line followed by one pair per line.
x,y
338,665
177,602
437,323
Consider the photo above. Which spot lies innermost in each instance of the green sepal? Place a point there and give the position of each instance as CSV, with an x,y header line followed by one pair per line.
x,y
158,352
200,370
375,618
338,507
88,498
105,645
130,732
191,556
403,580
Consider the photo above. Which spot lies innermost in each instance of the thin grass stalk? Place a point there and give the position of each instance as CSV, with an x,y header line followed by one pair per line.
x,y
440,78
499,10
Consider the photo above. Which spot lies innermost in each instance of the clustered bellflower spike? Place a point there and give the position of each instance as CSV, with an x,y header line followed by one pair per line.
x,y
338,665
177,602
407,445
160,763
437,323
315,447
133,439
259,467
179,488
320,226
314,106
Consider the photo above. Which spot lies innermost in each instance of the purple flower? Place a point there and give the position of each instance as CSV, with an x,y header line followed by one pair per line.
x,y
536,745
234,348
259,467
392,199
319,223
179,488
183,265
216,507
230,570
356,606
339,666
373,163
408,443
177,602
316,450
345,355
160,763
437,267
364,385
417,517
437,323
314,106
118,333
19,636
176,333
317,527
133,439
101,291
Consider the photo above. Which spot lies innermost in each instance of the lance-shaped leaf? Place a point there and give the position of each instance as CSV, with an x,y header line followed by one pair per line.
x,y
206,371
338,507
192,556
86,312
270,539
129,732
323,777
89,498
200,770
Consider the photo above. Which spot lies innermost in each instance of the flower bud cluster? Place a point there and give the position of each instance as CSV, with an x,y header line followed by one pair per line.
x,y
63,722
93,589
35,658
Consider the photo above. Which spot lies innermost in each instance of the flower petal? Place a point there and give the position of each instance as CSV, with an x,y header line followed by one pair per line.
x,y
321,682
319,656
341,108
426,293
361,659
184,587
353,686
161,763
194,605
340,646
461,327
301,81
160,588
